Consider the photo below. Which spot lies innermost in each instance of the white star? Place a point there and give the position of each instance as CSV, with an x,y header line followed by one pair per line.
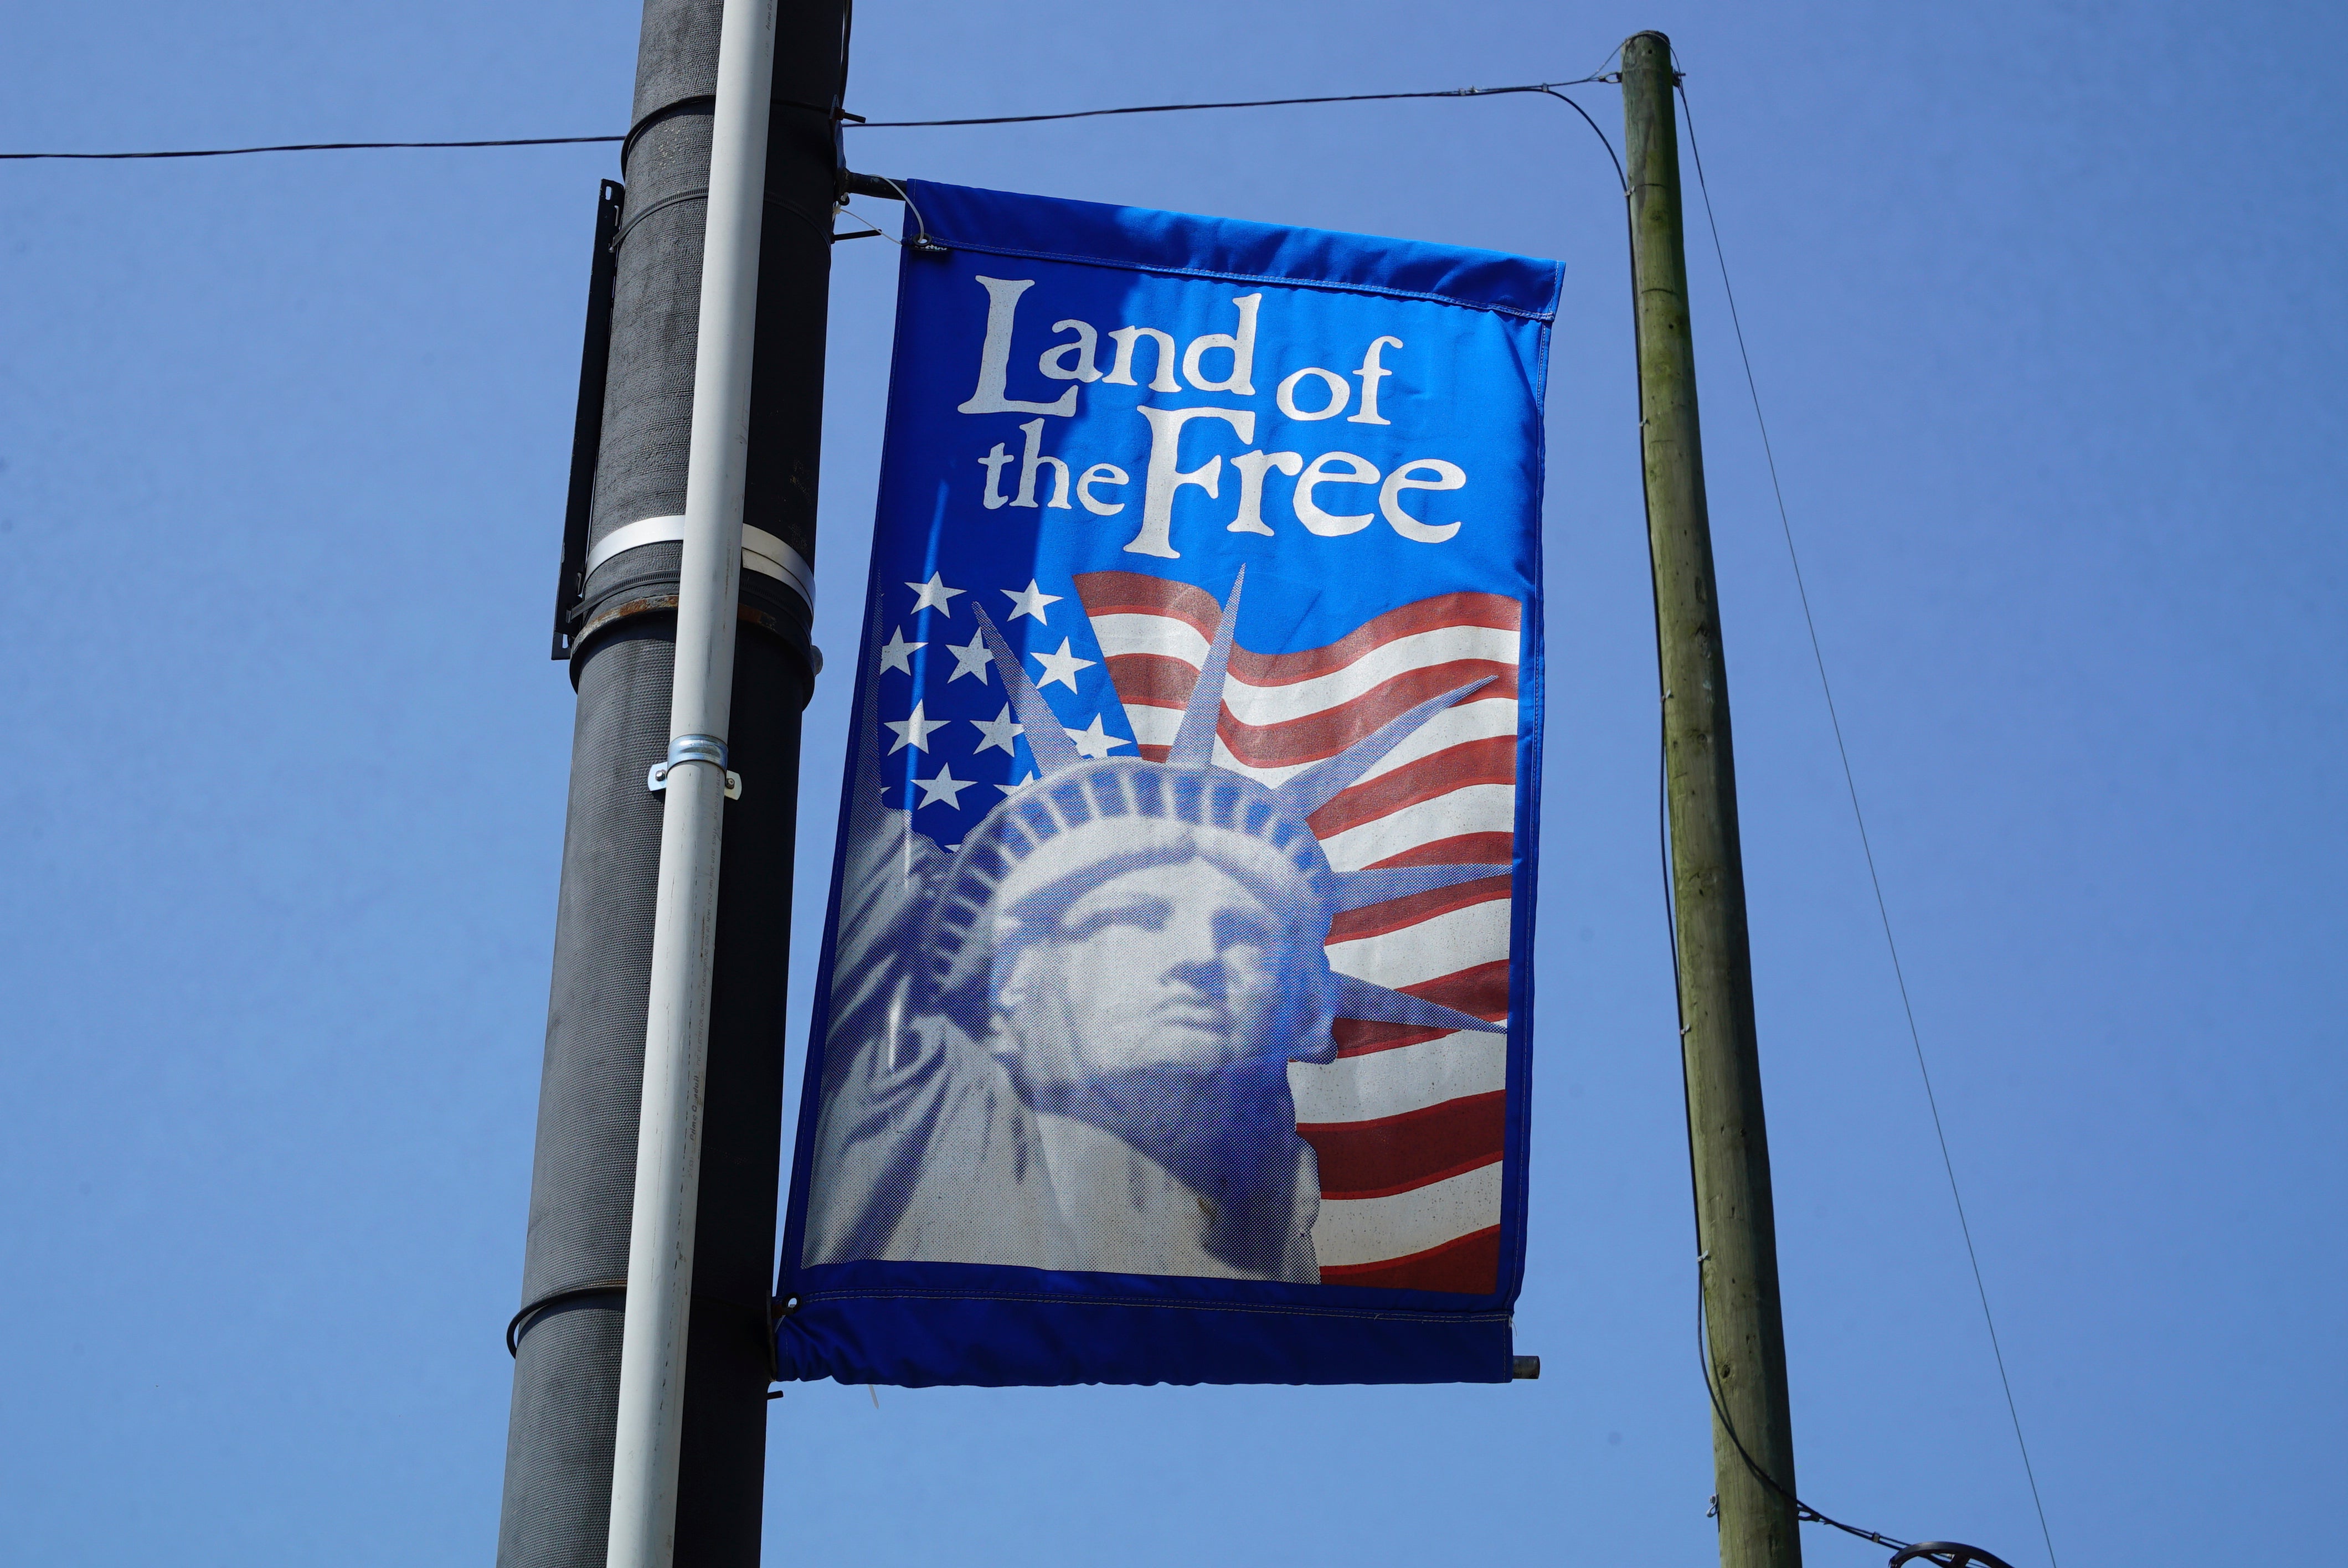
x,y
933,595
970,659
1016,785
998,730
1061,666
1093,741
914,732
1031,602
944,787
897,653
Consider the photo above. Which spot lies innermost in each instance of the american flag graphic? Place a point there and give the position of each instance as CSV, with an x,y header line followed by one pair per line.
x,y
1408,1122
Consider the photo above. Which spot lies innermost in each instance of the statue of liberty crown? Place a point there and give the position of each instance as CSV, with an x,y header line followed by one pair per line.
x,y
1072,795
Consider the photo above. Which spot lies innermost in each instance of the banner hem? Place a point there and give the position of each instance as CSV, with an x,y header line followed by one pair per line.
x,y
1334,286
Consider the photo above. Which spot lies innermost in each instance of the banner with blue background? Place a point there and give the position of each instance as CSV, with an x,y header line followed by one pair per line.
x,y
1176,1011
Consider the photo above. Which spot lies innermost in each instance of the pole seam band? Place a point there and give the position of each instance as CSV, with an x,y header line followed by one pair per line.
x,y
761,551
522,1322
692,193
525,1320
702,103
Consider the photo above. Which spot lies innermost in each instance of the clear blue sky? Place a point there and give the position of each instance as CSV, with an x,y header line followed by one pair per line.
x,y
2044,304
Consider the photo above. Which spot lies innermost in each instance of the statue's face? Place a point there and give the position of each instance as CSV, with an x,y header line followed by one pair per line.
x,y
1176,968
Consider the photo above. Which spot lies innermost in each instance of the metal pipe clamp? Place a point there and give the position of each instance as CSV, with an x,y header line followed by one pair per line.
x,y
693,749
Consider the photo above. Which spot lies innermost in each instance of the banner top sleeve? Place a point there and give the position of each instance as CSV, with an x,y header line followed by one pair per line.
x,y
1187,244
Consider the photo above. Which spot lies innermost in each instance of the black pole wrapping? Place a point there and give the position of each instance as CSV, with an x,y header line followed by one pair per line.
x,y
557,1485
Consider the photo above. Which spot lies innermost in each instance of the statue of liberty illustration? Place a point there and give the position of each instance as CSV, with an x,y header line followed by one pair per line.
x,y
1065,1044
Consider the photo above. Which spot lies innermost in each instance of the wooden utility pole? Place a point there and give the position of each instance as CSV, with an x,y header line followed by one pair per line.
x,y
1736,1232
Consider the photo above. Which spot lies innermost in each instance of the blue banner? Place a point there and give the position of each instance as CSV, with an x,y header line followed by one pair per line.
x,y
1176,1011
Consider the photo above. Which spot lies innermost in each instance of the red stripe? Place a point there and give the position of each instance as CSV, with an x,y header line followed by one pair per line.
x,y
1436,614
1395,1153
1465,1265
1360,1036
1490,761
1135,593
1152,680
1460,849
1377,919
1482,991
1311,738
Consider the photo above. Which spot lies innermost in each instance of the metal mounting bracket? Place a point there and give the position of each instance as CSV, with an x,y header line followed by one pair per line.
x,y
693,749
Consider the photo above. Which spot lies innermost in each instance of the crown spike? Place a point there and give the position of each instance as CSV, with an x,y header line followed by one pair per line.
x,y
1311,790
1049,742
1194,743
1376,1004
1360,889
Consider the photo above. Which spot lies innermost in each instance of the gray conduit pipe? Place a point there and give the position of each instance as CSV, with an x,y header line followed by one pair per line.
x,y
693,779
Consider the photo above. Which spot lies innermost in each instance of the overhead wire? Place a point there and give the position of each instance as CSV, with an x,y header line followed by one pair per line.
x,y
306,147
1234,104
853,120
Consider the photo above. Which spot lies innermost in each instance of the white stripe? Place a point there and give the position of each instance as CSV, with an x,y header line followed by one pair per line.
x,y
1146,633
1370,1230
1427,950
1454,726
1407,1078
1158,726
1472,808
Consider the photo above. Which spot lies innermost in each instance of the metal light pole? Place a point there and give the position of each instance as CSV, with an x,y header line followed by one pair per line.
x,y
635,574
1736,1235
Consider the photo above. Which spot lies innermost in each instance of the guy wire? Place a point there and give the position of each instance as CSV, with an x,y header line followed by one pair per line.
x,y
1866,849
1803,1511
